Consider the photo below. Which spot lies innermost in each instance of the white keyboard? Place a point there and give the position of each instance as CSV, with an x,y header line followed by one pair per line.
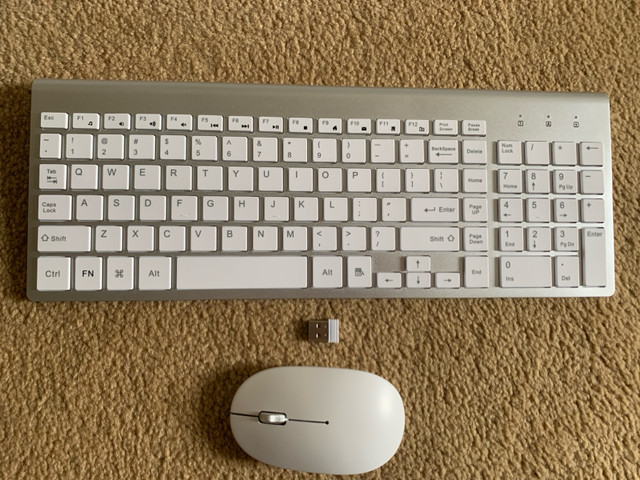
x,y
142,191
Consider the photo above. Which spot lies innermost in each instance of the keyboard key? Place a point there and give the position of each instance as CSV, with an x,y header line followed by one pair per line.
x,y
173,147
476,239
64,238
412,151
54,274
234,149
445,127
179,122
140,238
536,153
592,210
476,272
564,153
142,147
120,273
271,124
53,177
591,154
265,149
294,150
115,177
239,123
111,147
88,274
474,181
389,280
447,280
435,210
154,273
327,272
565,181
539,239
509,153
594,257
79,146
474,127
50,145
204,239
86,121
592,182
418,280
420,263
148,121
117,121
525,272
300,125
210,123
359,272
446,180
567,272
204,147
54,207
359,126
388,127
330,125
383,151
173,239
108,238
509,181
416,127
90,208
474,152
54,120
443,151
325,150
430,239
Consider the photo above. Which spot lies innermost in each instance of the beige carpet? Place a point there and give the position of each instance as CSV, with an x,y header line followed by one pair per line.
x,y
492,388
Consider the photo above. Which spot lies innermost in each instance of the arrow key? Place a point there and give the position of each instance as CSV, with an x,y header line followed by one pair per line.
x,y
447,280
418,280
389,280
418,263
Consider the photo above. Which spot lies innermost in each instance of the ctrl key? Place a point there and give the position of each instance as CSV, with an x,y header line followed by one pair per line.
x,y
54,274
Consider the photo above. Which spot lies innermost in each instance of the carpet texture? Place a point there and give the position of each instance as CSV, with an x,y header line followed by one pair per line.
x,y
519,388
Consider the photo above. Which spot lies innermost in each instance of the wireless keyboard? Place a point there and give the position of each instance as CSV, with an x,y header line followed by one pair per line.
x,y
144,190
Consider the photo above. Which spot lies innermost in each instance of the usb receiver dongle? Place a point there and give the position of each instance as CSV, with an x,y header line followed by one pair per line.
x,y
326,331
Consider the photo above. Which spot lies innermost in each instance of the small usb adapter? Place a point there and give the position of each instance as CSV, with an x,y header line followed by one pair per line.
x,y
326,331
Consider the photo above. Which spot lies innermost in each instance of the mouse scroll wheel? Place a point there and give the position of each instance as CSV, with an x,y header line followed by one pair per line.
x,y
272,418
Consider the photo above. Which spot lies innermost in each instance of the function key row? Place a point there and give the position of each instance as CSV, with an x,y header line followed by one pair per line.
x,y
238,123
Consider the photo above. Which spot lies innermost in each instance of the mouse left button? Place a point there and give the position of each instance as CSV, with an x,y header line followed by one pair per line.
x,y
272,418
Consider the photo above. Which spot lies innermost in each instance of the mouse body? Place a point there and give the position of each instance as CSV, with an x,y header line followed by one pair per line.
x,y
316,419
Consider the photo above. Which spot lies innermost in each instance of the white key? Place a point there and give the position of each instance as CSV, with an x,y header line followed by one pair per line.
x,y
509,152
476,272
360,126
592,182
383,150
184,208
89,208
509,181
564,153
511,239
474,152
330,125
537,181
246,209
142,147
330,180
209,178
447,280
354,239
389,280
383,239
88,274
178,177
359,272
446,180
117,121
305,209
140,238
325,150
566,239
358,180
327,272
121,207
294,239
265,239
336,209
445,127
443,151
54,120
418,263
84,177
510,210
204,147
591,154
154,273
88,121
565,181
148,121
394,209
539,239
536,153
354,151
50,145
388,180
54,274
594,260
265,149
387,126
241,272
172,239
300,125
215,209
294,150
567,272
120,273
153,208
475,209
238,123
525,272
203,239
108,238
270,124
234,239
210,123
173,147
179,122
115,177
64,238
474,181
146,177
565,210
416,127
301,180
538,209
79,145
324,238
52,177
474,127
425,239
417,180
54,207
418,280
110,147
435,210
234,149
475,239
365,209
271,179
412,151
592,210
276,209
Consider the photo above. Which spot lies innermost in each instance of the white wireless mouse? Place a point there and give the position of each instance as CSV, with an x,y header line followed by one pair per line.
x,y
320,420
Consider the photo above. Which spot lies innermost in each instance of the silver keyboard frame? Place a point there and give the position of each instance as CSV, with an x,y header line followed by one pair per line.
x,y
502,110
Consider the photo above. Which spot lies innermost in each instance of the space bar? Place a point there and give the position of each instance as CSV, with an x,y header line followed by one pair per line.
x,y
235,272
